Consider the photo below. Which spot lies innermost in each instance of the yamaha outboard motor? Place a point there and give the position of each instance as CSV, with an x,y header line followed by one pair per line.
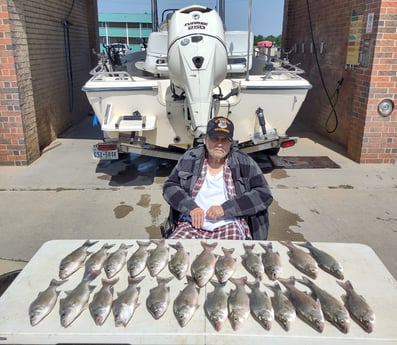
x,y
197,59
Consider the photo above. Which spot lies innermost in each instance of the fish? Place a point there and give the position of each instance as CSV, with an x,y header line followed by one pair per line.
x,y
125,304
324,260
308,309
179,263
360,311
260,305
137,261
303,261
238,303
158,300
75,260
116,260
271,261
215,305
334,311
187,302
101,304
158,258
226,265
284,310
203,266
45,301
94,263
252,261
75,302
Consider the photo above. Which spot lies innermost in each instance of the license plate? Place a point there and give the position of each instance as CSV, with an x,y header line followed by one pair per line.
x,y
104,154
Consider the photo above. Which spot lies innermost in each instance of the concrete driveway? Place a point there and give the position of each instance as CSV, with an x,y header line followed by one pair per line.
x,y
67,195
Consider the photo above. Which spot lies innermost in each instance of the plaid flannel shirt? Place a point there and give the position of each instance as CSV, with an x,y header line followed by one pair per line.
x,y
252,194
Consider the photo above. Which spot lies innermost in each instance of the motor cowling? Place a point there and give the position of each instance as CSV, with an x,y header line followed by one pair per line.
x,y
197,59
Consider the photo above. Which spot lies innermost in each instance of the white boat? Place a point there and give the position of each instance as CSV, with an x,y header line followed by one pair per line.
x,y
195,70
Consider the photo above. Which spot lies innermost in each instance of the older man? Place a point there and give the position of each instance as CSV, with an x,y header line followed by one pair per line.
x,y
218,192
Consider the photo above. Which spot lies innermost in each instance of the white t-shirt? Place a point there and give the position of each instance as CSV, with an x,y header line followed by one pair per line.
x,y
212,192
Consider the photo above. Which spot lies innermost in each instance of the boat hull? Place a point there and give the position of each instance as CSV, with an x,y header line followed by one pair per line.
x,y
115,97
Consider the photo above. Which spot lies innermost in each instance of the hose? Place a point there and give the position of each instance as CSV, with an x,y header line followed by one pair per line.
x,y
68,57
333,110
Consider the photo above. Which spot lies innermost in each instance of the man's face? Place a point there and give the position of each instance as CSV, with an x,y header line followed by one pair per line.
x,y
218,147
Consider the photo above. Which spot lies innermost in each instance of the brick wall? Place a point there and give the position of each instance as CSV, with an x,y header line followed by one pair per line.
x,y
38,101
12,143
355,124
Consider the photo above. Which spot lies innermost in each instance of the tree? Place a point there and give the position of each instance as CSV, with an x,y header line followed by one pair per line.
x,y
275,39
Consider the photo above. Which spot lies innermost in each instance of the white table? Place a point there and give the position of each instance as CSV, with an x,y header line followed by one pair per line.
x,y
361,266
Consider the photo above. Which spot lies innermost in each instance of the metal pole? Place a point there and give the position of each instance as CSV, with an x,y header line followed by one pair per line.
x,y
222,11
155,20
249,36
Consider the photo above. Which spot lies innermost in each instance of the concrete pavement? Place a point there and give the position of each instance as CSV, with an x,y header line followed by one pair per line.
x,y
67,195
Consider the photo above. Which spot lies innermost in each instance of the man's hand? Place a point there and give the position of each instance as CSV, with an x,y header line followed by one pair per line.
x,y
215,212
197,215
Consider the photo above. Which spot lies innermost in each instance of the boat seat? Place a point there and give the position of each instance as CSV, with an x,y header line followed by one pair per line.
x,y
156,61
237,46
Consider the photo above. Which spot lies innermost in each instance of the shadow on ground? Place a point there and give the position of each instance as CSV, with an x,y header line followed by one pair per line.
x,y
134,170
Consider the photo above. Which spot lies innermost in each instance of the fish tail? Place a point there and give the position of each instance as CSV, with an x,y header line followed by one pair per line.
x,y
176,246
254,285
248,246
164,280
55,282
135,281
158,241
305,281
306,244
267,247
89,243
227,251
143,243
275,287
287,282
109,282
209,246
191,280
288,244
125,246
108,246
347,285
216,283
239,281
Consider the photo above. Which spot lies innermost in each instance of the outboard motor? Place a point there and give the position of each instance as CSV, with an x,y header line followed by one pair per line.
x,y
197,59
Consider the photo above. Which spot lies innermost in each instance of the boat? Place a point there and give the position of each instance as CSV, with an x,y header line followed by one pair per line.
x,y
193,70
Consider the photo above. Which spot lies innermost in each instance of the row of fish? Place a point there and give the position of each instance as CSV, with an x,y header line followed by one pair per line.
x,y
268,262
219,305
